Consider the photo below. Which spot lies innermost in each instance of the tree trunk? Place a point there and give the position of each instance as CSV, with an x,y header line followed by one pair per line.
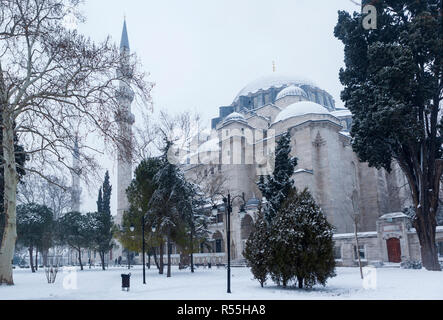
x,y
300,282
149,260
169,258
155,258
9,236
192,251
45,258
31,259
428,248
80,259
160,271
36,258
358,249
102,258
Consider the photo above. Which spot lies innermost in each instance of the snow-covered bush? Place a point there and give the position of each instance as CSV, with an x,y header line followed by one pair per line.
x,y
295,247
411,264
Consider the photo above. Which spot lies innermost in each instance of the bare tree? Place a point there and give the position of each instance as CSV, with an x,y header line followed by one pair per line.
x,y
356,221
56,84
34,189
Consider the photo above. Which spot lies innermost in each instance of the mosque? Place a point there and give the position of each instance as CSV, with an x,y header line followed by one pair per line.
x,y
349,192
237,149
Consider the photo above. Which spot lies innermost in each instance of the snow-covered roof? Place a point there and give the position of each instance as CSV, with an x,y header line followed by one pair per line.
x,y
342,113
303,171
235,116
274,80
369,234
393,215
292,91
299,109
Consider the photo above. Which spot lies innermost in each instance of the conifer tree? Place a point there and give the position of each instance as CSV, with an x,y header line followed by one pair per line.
x,y
300,241
393,87
276,188
34,228
256,250
103,225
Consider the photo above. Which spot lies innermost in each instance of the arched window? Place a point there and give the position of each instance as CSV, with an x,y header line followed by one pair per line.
x,y
247,226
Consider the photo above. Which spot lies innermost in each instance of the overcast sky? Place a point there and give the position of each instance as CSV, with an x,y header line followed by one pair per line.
x,y
201,53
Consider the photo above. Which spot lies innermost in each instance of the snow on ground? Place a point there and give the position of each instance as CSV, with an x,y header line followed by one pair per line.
x,y
210,284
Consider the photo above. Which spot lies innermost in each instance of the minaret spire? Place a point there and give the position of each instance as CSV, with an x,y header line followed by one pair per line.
x,y
124,43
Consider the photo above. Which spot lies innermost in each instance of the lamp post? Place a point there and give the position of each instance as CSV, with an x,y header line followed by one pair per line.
x,y
132,228
143,249
228,202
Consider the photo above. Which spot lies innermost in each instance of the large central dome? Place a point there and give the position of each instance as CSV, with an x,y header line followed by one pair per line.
x,y
274,80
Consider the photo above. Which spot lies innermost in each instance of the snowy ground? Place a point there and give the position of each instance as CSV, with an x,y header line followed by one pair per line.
x,y
210,284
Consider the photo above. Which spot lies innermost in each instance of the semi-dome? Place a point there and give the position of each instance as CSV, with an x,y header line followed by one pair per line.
x,y
292,91
235,116
301,108
274,80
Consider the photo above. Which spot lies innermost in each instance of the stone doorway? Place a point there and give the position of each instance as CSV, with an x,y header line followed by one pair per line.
x,y
394,250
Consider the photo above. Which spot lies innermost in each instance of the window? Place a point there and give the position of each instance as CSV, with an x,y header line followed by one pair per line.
x,y
337,253
440,249
218,245
361,252
220,218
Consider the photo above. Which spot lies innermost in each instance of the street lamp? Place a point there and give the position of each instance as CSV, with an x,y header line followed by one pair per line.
x,y
228,203
131,228
143,248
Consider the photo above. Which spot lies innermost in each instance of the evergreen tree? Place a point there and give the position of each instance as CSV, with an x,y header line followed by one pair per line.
x,y
139,195
256,250
103,225
300,241
76,231
170,203
276,188
393,88
34,228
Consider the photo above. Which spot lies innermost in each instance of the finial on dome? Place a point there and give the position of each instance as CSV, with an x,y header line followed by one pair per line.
x,y
273,66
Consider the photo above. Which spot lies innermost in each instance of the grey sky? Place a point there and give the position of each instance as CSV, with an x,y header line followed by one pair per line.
x,y
201,53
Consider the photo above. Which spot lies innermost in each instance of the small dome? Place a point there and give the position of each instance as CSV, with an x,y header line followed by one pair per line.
x,y
252,203
299,109
235,116
292,91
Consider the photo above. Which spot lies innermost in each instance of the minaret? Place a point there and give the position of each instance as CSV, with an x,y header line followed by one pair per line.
x,y
75,173
125,119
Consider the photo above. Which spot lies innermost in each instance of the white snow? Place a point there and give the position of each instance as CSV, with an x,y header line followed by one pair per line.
x,y
210,284
341,113
274,80
299,109
394,215
292,91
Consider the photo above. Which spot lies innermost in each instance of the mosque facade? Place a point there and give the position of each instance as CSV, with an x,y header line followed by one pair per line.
x,y
350,193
